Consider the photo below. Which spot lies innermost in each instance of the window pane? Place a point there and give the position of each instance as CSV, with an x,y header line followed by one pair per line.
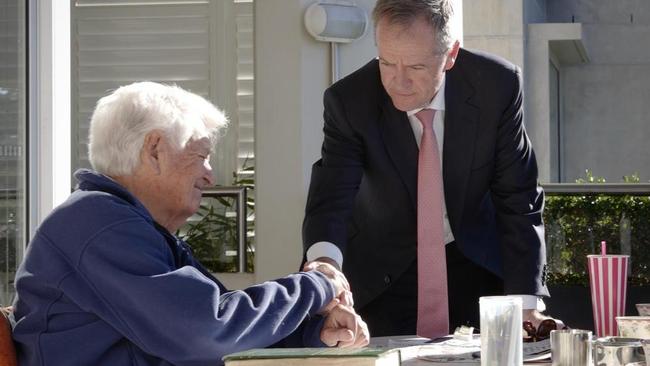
x,y
213,232
203,46
12,142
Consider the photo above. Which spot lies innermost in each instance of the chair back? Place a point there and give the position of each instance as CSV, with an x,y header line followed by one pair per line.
x,y
7,348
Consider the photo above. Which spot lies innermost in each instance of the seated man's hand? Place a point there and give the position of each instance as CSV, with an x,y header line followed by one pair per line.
x,y
344,328
342,288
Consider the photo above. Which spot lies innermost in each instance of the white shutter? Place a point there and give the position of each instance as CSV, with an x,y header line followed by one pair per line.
x,y
116,43
195,44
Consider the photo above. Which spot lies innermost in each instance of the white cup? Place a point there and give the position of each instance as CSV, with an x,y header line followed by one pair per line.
x,y
501,331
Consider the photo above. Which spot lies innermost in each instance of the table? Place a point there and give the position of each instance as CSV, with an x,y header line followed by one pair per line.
x,y
409,351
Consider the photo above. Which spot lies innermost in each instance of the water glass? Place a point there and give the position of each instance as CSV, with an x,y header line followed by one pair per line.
x,y
501,331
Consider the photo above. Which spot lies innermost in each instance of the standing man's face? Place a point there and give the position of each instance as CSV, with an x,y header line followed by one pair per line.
x,y
410,62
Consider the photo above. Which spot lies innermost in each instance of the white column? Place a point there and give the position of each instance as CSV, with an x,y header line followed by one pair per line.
x,y
290,73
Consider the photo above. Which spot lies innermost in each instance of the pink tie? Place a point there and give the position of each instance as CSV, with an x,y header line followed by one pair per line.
x,y
433,309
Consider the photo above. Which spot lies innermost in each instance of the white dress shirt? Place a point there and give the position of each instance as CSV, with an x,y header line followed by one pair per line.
x,y
327,249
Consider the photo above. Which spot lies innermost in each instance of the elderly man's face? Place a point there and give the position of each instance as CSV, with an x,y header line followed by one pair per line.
x,y
410,63
185,174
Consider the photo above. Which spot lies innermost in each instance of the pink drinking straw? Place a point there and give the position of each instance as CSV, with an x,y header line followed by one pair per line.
x,y
603,248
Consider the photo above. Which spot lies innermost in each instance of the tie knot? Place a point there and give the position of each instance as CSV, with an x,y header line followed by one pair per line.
x,y
426,117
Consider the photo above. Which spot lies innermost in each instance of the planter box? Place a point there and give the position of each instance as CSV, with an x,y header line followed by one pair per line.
x,y
572,304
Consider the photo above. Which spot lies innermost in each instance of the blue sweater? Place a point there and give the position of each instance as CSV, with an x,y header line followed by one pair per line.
x,y
103,284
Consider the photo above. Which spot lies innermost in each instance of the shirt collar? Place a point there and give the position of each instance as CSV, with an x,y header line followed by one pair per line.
x,y
437,103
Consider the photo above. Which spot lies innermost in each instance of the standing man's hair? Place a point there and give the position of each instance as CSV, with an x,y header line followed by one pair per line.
x,y
404,12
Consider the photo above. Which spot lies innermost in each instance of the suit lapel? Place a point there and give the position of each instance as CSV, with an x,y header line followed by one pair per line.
x,y
461,126
400,143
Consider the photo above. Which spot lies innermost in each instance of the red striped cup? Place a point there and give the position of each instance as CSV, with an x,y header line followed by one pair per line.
x,y
608,282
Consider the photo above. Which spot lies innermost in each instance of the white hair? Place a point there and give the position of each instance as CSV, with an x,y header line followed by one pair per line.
x,y
122,119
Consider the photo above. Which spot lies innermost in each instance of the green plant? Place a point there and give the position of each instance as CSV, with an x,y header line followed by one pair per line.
x,y
634,178
575,225
213,235
589,178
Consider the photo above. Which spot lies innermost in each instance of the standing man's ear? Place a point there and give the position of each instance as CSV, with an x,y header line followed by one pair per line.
x,y
452,55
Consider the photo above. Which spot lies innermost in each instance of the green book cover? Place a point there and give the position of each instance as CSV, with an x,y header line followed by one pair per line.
x,y
277,353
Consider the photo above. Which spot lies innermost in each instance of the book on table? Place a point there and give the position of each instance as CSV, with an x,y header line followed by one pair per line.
x,y
366,356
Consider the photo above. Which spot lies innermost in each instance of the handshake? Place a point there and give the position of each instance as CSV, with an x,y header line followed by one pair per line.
x,y
343,327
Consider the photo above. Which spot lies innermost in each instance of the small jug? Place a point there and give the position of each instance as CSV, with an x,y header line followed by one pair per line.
x,y
617,351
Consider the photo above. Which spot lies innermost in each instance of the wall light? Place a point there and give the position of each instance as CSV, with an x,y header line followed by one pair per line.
x,y
336,22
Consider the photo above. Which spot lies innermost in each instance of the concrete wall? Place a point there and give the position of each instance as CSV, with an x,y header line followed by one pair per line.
x,y
495,26
605,111
601,102
535,11
556,43
500,27
281,41
289,124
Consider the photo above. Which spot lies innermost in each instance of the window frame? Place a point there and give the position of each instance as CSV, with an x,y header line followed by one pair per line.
x,y
48,109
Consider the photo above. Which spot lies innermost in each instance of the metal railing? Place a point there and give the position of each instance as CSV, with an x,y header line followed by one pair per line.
x,y
239,194
640,189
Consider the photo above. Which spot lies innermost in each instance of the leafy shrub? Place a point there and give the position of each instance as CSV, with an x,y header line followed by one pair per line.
x,y
576,224
212,232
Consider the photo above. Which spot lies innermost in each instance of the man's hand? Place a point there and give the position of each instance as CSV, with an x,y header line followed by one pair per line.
x,y
344,328
535,317
342,288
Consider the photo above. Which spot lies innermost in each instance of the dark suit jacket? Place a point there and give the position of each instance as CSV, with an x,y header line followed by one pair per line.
x,y
363,191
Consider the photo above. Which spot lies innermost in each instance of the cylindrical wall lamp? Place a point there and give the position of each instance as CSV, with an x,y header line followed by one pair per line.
x,y
336,22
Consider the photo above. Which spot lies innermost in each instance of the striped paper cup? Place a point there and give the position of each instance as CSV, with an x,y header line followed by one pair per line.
x,y
608,282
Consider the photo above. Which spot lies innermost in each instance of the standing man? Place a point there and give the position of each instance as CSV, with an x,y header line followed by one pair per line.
x,y
426,194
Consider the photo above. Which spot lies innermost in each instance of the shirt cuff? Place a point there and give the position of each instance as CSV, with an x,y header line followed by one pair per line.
x,y
529,302
325,249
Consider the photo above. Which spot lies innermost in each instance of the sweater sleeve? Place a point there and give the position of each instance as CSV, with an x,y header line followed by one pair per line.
x,y
307,335
180,315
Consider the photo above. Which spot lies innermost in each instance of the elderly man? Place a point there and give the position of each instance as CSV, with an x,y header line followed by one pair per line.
x,y
105,282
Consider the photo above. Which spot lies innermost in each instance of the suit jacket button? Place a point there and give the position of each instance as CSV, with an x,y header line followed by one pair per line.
x,y
387,279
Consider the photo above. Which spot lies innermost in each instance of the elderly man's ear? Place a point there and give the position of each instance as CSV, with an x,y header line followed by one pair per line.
x,y
151,149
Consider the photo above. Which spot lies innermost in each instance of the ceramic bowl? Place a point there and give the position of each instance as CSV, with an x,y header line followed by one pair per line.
x,y
634,326
617,351
646,349
643,309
